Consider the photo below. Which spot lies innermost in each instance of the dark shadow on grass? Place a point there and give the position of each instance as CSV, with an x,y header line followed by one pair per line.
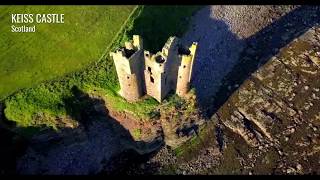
x,y
98,135
157,23
12,145
87,109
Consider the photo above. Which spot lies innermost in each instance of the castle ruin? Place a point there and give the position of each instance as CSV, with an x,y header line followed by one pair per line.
x,y
140,72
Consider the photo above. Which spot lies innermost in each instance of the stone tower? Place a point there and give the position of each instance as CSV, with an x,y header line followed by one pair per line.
x,y
160,70
129,63
186,58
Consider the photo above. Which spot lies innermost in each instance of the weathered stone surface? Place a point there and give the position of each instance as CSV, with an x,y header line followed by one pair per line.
x,y
140,72
278,106
180,123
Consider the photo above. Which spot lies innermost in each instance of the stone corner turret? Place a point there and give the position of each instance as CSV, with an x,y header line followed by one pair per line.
x,y
129,62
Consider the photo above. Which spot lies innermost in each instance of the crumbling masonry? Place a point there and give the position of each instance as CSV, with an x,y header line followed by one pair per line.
x,y
141,72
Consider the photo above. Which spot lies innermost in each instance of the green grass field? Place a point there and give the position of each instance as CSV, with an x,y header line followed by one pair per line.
x,y
52,98
55,49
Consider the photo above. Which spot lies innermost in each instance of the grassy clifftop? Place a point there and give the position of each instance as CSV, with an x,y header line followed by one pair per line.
x,y
54,49
41,105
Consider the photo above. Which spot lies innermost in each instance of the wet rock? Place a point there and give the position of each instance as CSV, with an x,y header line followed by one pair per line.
x,y
315,60
299,167
292,130
290,170
286,139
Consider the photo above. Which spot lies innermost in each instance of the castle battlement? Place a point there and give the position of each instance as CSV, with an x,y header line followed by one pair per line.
x,y
141,72
156,61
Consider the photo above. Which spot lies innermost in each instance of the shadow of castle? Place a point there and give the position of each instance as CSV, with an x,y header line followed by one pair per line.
x,y
100,144
217,73
217,68
265,44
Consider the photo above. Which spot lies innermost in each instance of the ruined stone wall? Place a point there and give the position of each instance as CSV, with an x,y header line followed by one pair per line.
x,y
137,42
185,71
137,65
193,50
170,50
141,72
130,69
161,75
129,80
153,76
130,88
183,84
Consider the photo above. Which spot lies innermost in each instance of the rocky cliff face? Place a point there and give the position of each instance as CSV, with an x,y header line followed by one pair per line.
x,y
180,122
277,108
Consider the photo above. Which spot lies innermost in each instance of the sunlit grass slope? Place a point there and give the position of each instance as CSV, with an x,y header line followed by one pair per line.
x,y
54,49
